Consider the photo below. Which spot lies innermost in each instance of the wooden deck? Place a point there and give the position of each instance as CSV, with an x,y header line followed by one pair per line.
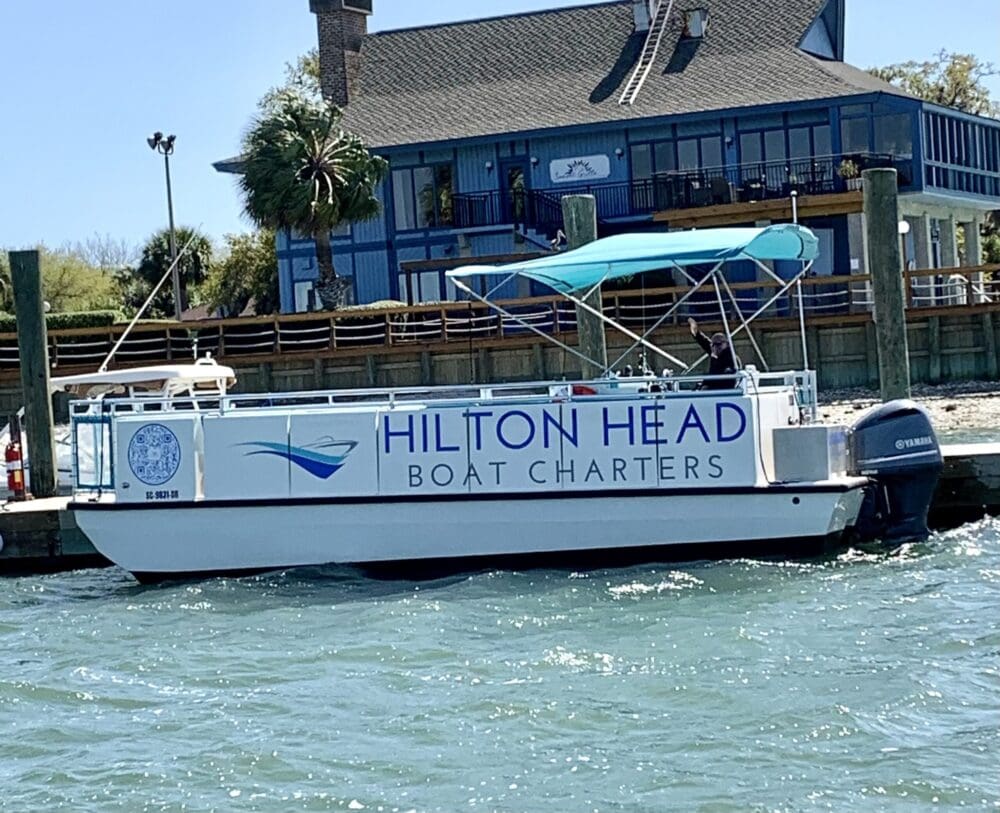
x,y
727,214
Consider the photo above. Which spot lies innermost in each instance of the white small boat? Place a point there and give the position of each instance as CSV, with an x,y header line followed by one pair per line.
x,y
190,479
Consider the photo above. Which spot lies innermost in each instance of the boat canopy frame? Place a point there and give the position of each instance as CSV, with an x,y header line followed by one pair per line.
x,y
579,273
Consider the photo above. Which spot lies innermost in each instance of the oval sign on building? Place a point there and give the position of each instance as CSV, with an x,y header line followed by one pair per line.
x,y
580,170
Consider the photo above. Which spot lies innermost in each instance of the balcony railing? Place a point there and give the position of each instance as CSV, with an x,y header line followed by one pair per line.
x,y
712,186
772,180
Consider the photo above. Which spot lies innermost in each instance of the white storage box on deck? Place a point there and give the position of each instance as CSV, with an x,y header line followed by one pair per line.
x,y
805,454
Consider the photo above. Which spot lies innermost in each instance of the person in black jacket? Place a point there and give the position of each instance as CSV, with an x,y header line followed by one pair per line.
x,y
722,360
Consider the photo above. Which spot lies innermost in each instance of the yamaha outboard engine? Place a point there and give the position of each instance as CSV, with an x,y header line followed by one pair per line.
x,y
895,446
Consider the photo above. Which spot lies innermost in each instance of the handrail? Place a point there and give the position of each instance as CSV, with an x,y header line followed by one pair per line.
x,y
463,307
401,397
407,327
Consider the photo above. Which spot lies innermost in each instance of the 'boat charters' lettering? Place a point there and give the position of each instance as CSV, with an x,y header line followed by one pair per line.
x,y
639,471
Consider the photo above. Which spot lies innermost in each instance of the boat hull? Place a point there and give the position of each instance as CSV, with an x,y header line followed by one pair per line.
x,y
165,541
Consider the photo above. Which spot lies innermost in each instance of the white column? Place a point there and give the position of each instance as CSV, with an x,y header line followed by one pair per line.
x,y
920,227
923,251
973,242
974,257
857,245
949,242
955,284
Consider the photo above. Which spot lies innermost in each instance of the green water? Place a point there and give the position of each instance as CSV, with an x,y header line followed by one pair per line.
x,y
866,682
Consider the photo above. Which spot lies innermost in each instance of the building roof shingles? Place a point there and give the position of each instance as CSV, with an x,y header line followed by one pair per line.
x,y
567,67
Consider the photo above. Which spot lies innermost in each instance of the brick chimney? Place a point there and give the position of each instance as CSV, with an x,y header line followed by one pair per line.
x,y
341,26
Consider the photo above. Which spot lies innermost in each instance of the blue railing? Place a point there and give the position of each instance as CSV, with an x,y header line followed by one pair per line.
x,y
771,180
712,186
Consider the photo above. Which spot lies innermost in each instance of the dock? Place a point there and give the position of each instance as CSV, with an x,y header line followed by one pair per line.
x,y
970,485
41,536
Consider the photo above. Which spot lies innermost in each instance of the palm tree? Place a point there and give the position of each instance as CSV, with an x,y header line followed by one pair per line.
x,y
301,171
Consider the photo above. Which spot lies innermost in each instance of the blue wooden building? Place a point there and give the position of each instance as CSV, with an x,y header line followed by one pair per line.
x,y
673,113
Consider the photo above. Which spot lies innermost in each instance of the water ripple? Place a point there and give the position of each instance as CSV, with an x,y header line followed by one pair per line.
x,y
866,680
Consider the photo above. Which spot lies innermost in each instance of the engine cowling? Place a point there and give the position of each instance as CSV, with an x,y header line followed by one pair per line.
x,y
895,446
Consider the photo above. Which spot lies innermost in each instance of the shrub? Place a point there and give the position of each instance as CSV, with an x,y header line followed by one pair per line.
x,y
65,321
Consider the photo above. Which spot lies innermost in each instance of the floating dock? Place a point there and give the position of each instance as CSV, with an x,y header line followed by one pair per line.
x,y
41,536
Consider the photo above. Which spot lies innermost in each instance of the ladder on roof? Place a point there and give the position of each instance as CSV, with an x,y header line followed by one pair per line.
x,y
657,28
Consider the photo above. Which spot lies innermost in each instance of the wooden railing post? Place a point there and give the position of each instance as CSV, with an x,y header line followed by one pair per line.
x,y
881,209
580,217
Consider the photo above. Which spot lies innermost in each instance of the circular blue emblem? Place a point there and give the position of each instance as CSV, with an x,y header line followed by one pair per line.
x,y
154,454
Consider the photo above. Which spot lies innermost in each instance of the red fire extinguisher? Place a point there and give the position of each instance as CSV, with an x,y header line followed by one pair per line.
x,y
15,470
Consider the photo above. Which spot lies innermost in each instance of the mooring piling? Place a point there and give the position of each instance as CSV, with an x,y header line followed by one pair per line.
x,y
32,343
885,263
580,218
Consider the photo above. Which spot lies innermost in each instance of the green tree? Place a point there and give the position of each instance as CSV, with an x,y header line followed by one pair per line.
x,y
246,276
302,79
6,291
137,283
953,80
949,79
991,239
70,284
302,171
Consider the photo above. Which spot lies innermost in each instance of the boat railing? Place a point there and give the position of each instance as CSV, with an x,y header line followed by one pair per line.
x,y
749,381
92,421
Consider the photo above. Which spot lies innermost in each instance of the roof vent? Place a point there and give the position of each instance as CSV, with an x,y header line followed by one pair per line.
x,y
641,14
695,23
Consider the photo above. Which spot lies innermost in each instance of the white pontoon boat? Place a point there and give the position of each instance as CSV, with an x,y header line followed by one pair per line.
x,y
191,480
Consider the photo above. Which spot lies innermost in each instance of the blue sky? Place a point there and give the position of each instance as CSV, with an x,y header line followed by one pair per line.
x,y
83,84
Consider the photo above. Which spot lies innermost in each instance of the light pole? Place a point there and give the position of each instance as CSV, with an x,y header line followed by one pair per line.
x,y
165,147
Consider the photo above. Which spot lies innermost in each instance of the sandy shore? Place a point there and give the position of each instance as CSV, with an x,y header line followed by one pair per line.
x,y
953,407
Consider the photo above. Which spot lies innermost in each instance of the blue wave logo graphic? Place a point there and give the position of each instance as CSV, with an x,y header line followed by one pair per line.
x,y
314,458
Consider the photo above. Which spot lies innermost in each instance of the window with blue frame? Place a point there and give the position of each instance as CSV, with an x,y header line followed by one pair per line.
x,y
854,129
962,154
680,155
813,141
416,287
646,161
894,134
423,197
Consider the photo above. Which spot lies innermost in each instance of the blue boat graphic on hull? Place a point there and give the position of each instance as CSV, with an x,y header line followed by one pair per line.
x,y
314,458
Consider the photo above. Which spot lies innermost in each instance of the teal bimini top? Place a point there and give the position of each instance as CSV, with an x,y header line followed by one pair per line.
x,y
625,255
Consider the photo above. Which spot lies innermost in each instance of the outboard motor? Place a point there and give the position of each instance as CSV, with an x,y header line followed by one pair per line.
x,y
895,446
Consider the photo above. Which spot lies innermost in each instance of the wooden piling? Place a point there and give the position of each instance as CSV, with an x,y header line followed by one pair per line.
x,y
871,354
32,344
885,264
990,343
426,370
580,219
539,372
934,349
484,366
